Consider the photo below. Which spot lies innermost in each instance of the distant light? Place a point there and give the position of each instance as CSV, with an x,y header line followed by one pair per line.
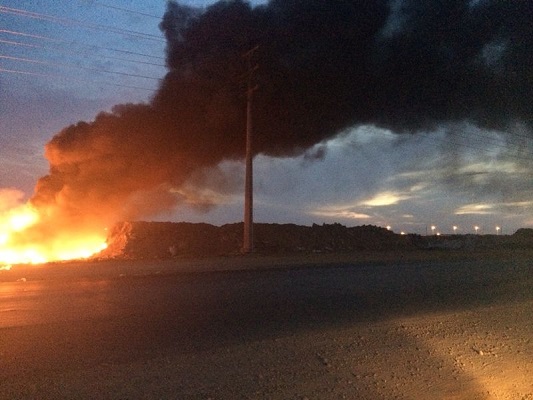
x,y
438,233
388,227
402,233
498,230
476,228
454,228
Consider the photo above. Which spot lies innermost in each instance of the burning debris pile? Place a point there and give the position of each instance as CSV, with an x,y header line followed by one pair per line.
x,y
141,240
166,239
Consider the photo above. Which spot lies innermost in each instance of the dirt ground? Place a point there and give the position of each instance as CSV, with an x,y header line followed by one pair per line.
x,y
474,350
469,355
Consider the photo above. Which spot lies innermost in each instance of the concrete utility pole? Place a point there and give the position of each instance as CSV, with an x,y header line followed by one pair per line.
x,y
248,240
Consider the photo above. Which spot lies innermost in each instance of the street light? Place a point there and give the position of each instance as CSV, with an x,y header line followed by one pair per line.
x,y
476,228
498,230
433,227
454,229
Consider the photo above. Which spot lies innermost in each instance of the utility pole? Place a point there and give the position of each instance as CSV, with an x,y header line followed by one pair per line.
x,y
248,240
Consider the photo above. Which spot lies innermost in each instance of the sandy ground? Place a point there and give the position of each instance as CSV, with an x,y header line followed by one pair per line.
x,y
473,346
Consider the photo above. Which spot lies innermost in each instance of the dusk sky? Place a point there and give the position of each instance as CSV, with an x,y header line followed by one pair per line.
x,y
66,61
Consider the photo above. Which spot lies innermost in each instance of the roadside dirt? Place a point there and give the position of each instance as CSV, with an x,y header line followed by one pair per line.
x,y
469,355
480,350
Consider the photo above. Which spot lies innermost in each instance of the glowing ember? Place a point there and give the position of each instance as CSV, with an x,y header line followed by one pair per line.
x,y
28,237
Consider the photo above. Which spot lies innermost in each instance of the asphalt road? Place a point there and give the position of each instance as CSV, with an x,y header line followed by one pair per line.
x,y
65,323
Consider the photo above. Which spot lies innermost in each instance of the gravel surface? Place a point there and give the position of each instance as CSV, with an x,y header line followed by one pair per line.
x,y
336,327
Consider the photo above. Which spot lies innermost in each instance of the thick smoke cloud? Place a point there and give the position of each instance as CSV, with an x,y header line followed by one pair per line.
x,y
323,66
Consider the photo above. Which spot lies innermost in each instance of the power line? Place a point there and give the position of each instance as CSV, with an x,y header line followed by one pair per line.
x,y
70,22
502,141
127,52
62,50
82,45
474,147
507,134
31,35
485,139
40,62
126,10
63,46
20,72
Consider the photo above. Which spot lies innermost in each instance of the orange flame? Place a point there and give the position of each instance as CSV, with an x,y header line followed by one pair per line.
x,y
19,243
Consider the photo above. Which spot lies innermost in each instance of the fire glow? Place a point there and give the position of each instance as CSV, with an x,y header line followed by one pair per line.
x,y
27,238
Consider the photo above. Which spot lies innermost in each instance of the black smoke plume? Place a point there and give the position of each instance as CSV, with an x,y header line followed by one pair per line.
x,y
323,67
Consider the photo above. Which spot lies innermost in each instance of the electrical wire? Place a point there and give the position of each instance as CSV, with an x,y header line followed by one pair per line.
x,y
31,35
70,22
473,146
63,46
484,136
20,72
82,45
125,10
62,50
48,63
479,138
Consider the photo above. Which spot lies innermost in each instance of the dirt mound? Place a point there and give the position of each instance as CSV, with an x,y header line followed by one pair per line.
x,y
159,240
133,240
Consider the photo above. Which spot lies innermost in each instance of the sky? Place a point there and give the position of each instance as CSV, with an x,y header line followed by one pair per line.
x,y
67,61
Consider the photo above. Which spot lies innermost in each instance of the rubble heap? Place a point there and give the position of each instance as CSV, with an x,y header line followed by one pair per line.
x,y
134,240
149,240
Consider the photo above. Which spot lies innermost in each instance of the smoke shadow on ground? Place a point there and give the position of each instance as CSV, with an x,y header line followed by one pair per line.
x,y
130,319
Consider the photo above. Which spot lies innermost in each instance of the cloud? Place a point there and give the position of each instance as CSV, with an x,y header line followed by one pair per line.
x,y
385,199
355,210
341,214
478,209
